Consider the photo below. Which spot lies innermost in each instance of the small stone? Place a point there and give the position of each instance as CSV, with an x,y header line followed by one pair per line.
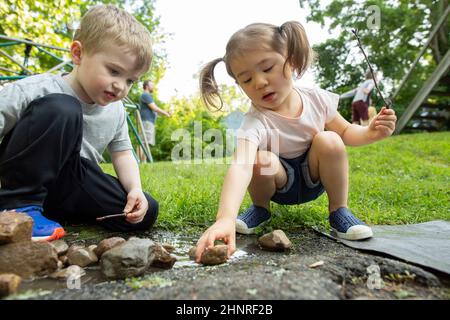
x,y
107,244
64,260
81,257
71,271
316,264
9,283
216,255
169,248
15,227
191,252
275,241
60,246
162,259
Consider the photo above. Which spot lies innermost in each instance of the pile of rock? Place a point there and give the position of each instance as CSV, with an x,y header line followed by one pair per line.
x,y
19,257
118,258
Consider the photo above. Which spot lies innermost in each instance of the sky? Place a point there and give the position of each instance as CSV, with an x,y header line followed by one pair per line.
x,y
200,30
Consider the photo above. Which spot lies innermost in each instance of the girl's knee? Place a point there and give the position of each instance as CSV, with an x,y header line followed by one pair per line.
x,y
329,142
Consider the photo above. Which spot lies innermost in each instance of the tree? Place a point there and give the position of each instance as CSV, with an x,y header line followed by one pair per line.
x,y
404,27
47,22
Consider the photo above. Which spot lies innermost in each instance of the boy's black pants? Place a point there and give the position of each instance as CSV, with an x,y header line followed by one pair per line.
x,y
40,164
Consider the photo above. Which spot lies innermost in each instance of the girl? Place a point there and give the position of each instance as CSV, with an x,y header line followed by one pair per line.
x,y
283,152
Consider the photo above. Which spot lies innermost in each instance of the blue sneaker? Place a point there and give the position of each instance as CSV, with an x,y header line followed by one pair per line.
x,y
250,219
346,226
43,228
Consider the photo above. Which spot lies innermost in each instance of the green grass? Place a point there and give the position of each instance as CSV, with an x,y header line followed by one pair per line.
x,y
403,179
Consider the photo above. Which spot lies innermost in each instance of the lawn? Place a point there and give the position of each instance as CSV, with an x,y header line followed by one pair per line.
x,y
404,179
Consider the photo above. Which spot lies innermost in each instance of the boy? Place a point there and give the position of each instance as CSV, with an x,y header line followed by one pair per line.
x,y
55,129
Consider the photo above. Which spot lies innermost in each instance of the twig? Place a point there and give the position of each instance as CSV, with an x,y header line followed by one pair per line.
x,y
112,216
388,105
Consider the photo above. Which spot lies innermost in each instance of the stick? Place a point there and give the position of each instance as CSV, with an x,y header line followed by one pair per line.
x,y
112,216
355,32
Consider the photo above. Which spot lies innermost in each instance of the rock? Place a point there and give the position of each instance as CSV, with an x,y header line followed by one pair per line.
x,y
81,256
9,283
129,259
162,259
191,252
60,246
107,244
316,264
215,255
275,241
91,249
64,260
15,227
169,248
27,259
71,271
73,248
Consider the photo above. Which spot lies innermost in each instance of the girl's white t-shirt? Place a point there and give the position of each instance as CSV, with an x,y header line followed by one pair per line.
x,y
285,136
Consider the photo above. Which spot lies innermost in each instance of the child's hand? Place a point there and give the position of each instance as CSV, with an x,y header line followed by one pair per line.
x,y
223,229
136,207
383,125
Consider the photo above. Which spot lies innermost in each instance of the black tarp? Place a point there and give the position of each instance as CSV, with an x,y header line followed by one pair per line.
x,y
426,244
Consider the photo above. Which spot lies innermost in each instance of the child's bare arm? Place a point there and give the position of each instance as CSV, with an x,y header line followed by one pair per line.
x,y
381,126
233,191
127,171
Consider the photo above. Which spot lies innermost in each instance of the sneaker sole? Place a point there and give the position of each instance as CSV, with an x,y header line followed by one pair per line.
x,y
353,236
241,227
58,233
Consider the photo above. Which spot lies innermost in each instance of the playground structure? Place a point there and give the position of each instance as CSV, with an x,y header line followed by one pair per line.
x,y
131,107
422,113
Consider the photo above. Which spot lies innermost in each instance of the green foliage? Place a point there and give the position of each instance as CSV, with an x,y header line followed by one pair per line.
x,y
189,115
392,48
47,22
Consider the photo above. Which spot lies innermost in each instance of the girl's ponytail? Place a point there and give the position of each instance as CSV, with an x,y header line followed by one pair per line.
x,y
209,90
299,53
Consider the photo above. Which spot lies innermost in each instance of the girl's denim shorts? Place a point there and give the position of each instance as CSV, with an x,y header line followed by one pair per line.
x,y
299,187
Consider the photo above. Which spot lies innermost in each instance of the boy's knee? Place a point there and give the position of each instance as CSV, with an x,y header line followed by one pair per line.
x,y
329,142
58,106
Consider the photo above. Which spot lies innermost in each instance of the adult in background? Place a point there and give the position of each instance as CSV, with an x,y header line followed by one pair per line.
x,y
149,111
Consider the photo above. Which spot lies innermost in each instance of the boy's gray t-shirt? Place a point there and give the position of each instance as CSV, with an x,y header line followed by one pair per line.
x,y
103,126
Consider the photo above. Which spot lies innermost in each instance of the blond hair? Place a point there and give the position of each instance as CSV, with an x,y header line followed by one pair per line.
x,y
289,40
107,24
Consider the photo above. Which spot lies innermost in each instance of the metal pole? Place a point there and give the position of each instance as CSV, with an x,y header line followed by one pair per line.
x,y
3,53
33,43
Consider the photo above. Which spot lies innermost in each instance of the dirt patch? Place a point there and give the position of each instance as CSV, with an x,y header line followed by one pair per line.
x,y
258,274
